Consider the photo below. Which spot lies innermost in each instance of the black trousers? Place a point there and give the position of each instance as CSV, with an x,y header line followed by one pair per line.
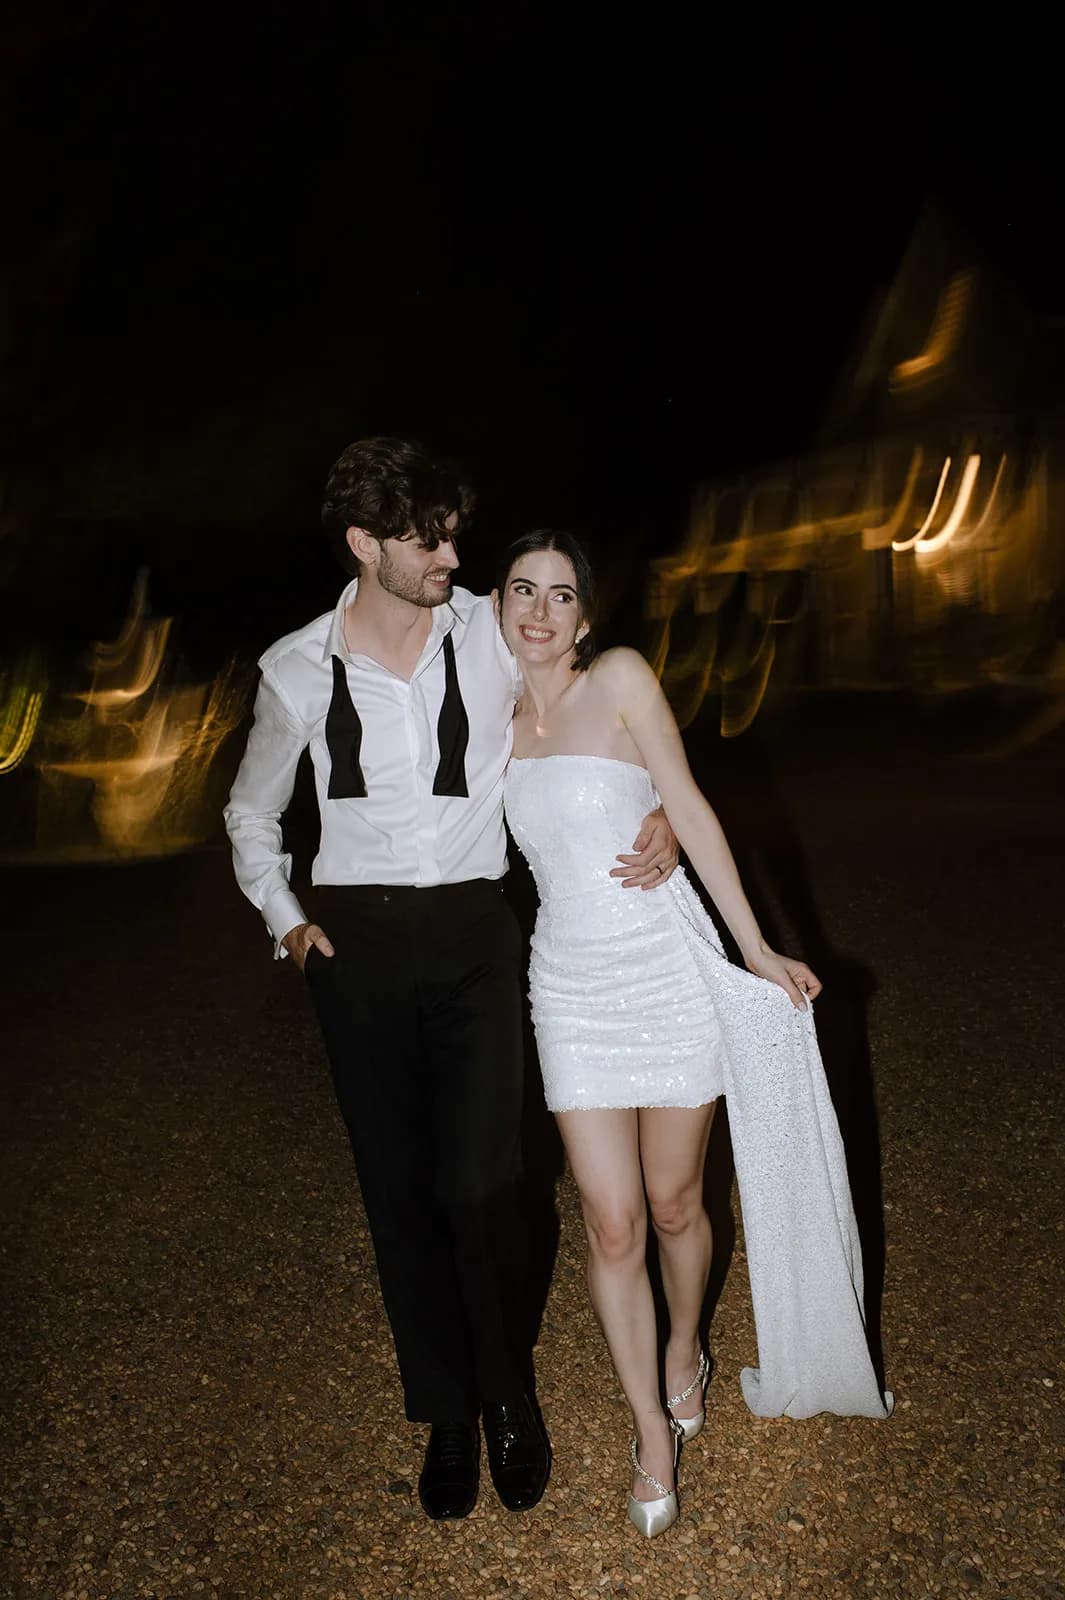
x,y
421,1012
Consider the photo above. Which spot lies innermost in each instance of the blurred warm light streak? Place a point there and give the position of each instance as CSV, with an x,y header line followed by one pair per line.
x,y
125,761
992,500
125,669
943,337
899,545
21,699
893,556
926,542
887,533
834,598
149,770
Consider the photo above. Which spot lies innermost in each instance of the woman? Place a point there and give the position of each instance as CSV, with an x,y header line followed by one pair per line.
x,y
641,1023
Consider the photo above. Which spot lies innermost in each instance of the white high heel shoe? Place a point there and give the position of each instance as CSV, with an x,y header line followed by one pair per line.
x,y
653,1517
691,1427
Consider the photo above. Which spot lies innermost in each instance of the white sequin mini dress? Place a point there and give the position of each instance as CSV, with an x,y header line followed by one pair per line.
x,y
620,1002
634,1003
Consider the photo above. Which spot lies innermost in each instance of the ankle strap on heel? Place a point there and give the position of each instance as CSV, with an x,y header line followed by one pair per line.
x,y
702,1372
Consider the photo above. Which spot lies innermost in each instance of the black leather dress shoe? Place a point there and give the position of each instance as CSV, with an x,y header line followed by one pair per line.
x,y
519,1456
447,1487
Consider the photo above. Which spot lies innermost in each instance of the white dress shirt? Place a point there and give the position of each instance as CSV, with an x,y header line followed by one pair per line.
x,y
400,832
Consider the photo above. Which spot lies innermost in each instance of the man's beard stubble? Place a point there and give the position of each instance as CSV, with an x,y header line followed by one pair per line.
x,y
405,586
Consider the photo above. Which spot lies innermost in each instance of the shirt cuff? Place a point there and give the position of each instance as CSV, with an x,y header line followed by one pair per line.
x,y
281,914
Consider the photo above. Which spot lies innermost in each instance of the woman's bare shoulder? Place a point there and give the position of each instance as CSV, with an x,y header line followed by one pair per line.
x,y
623,665
628,680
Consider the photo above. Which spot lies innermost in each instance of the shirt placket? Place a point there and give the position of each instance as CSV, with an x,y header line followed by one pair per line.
x,y
430,867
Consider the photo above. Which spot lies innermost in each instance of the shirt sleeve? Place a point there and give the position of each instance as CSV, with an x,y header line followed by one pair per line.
x,y
508,663
257,802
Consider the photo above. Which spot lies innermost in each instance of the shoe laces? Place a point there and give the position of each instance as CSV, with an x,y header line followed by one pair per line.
x,y
449,1444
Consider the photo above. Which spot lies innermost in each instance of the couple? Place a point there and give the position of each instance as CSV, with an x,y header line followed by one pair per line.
x,y
423,707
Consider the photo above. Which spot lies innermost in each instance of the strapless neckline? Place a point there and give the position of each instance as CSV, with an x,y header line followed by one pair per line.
x,y
577,755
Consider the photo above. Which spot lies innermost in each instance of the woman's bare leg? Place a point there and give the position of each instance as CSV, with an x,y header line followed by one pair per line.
x,y
673,1146
604,1156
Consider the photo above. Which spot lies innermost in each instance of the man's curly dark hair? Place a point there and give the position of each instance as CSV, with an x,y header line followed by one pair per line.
x,y
395,490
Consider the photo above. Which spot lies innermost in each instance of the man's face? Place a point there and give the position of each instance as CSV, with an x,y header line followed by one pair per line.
x,y
420,576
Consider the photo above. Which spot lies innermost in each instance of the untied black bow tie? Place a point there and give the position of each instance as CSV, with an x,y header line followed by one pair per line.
x,y
343,736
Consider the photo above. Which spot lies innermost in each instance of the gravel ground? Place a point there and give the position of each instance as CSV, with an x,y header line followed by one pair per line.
x,y
199,1384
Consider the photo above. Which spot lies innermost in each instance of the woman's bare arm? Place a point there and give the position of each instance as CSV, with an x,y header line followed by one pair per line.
x,y
645,713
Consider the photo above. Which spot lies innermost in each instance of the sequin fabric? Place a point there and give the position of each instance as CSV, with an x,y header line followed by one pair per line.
x,y
635,1004
621,1011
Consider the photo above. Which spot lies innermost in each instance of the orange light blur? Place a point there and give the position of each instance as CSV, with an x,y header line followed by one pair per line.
x,y
899,545
926,542
943,336
141,737
891,556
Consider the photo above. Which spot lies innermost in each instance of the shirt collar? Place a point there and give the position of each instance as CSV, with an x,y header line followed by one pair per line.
x,y
457,609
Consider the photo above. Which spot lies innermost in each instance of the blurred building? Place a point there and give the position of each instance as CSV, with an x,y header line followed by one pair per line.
x,y
920,543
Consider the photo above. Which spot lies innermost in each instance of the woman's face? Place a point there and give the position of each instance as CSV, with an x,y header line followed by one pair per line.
x,y
539,612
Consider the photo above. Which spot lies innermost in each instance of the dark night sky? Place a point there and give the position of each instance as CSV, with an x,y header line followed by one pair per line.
x,y
598,263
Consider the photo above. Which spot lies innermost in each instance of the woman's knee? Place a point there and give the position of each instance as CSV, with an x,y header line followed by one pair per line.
x,y
675,1210
615,1233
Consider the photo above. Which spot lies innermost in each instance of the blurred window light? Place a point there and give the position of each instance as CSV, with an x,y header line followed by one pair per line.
x,y
899,545
936,541
992,500
886,533
943,336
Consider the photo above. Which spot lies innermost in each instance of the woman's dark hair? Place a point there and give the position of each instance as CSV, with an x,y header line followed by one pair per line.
x,y
586,649
395,490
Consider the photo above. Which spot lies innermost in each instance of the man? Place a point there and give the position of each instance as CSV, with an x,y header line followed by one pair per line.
x,y
404,695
